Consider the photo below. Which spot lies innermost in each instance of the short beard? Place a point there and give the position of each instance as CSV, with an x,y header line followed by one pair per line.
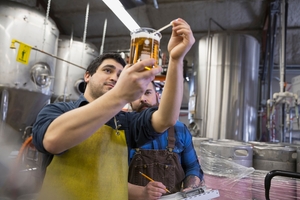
x,y
144,106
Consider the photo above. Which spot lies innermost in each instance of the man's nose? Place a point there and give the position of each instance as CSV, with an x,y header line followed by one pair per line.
x,y
114,77
143,100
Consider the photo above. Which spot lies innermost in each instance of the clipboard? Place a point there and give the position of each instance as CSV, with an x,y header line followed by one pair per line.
x,y
196,194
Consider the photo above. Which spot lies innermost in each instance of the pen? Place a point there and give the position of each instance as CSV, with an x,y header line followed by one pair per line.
x,y
150,179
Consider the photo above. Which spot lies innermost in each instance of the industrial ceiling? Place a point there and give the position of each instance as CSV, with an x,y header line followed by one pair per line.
x,y
242,16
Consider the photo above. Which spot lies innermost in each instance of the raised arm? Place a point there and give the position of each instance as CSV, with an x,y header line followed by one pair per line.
x,y
73,127
180,43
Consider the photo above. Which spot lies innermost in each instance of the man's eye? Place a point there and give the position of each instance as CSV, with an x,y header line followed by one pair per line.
x,y
107,70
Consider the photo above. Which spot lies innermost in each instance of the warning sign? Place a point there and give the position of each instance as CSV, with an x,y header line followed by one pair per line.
x,y
23,53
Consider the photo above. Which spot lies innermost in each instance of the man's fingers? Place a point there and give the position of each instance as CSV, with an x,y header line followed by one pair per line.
x,y
140,66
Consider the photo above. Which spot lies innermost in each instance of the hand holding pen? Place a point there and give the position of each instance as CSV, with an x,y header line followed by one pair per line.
x,y
150,179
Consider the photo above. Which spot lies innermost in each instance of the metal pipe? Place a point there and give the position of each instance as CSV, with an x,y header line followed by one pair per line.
x,y
282,58
34,48
209,48
285,94
86,21
285,34
269,114
283,47
67,72
297,112
273,23
46,22
273,173
103,36
4,104
155,4
85,28
211,19
273,12
290,125
286,122
267,49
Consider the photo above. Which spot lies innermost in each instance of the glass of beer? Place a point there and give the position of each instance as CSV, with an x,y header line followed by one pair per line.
x,y
144,44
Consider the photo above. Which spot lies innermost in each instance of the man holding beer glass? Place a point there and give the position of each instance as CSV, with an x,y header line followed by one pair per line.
x,y
88,138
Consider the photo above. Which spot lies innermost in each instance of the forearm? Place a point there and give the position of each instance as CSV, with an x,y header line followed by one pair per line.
x,y
169,109
191,182
135,192
180,43
75,126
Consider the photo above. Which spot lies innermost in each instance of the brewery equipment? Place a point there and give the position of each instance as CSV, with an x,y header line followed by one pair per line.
x,y
225,87
227,165
276,156
234,151
24,88
69,83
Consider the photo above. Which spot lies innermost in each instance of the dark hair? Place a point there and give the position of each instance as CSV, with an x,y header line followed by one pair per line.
x,y
154,85
92,68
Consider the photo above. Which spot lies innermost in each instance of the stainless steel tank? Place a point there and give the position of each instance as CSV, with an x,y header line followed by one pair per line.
x,y
225,86
24,88
69,83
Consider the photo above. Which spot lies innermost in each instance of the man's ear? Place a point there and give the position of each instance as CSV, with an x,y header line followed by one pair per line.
x,y
157,97
86,77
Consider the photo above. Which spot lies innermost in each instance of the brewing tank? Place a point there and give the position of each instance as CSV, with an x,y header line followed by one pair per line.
x,y
24,88
225,86
69,83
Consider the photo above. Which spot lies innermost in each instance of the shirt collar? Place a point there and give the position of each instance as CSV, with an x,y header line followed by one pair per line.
x,y
81,101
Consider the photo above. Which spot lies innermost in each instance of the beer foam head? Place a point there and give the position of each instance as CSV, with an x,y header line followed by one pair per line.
x,y
145,33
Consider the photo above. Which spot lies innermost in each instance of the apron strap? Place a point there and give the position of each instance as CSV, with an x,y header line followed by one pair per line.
x,y
171,139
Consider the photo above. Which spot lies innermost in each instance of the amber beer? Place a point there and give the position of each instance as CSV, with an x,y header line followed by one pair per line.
x,y
144,44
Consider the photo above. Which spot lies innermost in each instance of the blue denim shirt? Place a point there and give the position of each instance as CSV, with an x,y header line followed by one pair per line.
x,y
183,147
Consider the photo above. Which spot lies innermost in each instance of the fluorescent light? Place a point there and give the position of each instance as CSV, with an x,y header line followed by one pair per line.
x,y
122,14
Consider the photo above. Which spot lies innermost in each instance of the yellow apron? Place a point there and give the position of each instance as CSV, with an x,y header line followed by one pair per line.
x,y
95,169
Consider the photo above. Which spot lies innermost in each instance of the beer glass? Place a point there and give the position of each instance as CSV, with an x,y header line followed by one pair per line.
x,y
144,44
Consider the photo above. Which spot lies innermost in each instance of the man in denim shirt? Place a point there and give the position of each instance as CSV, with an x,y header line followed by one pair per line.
x,y
170,159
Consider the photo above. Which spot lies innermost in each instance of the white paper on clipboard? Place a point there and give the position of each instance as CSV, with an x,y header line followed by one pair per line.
x,y
211,194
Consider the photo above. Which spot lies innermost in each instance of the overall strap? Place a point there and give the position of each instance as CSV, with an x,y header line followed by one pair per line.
x,y
171,139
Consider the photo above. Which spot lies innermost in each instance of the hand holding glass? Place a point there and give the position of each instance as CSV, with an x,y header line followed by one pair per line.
x,y
144,44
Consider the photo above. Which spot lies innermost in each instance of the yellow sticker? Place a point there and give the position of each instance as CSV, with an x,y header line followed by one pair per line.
x,y
23,53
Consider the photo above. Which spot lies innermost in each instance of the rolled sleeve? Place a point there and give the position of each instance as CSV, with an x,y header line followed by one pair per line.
x,y
141,130
49,113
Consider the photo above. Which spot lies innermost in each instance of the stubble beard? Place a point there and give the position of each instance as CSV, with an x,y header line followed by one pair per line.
x,y
97,92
